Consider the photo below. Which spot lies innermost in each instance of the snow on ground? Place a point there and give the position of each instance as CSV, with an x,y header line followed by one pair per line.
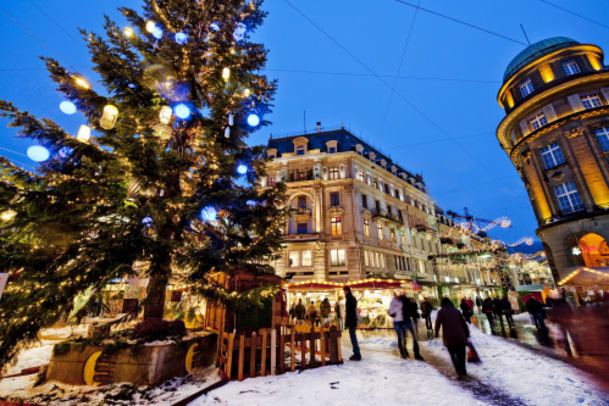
x,y
381,378
534,378
36,355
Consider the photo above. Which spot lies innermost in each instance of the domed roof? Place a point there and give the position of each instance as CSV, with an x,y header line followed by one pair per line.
x,y
536,51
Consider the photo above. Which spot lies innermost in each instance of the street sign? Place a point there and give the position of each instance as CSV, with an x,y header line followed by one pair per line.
x,y
3,280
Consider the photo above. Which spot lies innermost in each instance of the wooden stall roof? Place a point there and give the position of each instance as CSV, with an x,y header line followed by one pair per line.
x,y
586,276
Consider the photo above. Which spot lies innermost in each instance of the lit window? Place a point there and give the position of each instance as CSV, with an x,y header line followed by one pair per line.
x,y
367,227
337,225
526,88
307,258
379,231
382,260
293,259
568,197
366,258
538,121
337,257
603,137
333,173
404,238
590,101
570,68
392,233
334,199
302,228
552,156
375,183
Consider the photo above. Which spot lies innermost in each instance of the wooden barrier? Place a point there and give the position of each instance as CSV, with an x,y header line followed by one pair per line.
x,y
275,350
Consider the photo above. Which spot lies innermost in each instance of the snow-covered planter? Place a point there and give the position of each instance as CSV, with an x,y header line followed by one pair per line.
x,y
134,362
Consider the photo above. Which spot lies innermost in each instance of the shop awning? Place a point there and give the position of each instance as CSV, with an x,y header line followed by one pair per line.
x,y
370,283
586,276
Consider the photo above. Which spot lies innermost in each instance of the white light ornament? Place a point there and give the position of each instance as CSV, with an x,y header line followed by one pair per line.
x,y
84,133
227,132
109,117
165,114
226,74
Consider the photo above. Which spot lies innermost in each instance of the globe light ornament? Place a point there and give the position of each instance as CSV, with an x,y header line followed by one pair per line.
x,y
157,33
215,27
181,38
239,33
67,107
147,220
253,120
209,214
128,32
150,26
251,203
181,111
242,169
38,153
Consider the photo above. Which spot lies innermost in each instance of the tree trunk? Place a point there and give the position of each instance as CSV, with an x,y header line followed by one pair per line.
x,y
154,306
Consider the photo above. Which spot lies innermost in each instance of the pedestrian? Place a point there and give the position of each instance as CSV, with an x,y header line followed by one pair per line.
x,y
506,308
470,303
409,309
324,310
455,334
339,315
397,313
312,313
426,309
497,310
414,314
479,304
487,309
535,309
300,310
466,310
351,322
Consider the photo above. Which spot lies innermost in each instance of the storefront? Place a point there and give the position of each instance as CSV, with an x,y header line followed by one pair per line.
x,y
587,285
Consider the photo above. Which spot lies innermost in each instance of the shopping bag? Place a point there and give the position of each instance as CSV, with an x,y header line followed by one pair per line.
x,y
472,354
475,321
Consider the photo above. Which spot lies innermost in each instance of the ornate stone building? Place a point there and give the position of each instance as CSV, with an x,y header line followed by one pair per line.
x,y
357,214
556,132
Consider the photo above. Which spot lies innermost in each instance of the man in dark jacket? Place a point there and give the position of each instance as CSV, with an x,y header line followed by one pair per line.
x,y
411,313
454,334
466,310
426,309
535,309
479,303
351,322
487,309
300,310
497,310
506,308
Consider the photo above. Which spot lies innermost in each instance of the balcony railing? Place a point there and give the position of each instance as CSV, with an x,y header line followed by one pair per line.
x,y
301,237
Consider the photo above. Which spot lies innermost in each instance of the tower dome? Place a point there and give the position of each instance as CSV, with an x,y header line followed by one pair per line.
x,y
535,51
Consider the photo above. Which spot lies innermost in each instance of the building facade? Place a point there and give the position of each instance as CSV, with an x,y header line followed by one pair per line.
x,y
555,94
356,214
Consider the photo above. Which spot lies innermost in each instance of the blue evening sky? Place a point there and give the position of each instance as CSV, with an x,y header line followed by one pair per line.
x,y
441,124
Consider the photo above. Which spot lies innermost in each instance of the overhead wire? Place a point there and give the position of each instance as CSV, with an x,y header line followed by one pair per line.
x,y
395,79
397,93
575,14
456,20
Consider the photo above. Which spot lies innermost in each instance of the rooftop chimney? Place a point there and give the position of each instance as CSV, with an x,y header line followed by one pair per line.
x,y
319,126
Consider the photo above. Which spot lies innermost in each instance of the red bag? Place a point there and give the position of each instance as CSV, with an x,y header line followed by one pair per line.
x,y
472,354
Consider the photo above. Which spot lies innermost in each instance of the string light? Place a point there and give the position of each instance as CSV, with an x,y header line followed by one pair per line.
x,y
8,215
81,82
150,26
128,32
225,74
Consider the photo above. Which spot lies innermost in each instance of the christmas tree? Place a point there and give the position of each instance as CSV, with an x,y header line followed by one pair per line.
x,y
159,173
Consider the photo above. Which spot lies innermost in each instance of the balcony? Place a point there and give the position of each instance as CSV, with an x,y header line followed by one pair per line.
x,y
382,215
301,237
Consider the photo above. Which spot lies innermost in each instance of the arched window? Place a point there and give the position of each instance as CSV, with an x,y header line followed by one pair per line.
x,y
593,250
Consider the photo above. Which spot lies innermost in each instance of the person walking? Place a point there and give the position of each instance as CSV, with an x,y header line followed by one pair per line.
x,y
409,309
479,304
497,311
351,322
312,313
466,310
300,310
487,309
455,334
506,308
426,309
397,313
324,310
339,315
535,309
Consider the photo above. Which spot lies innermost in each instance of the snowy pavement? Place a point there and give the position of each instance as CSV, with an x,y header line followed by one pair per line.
x,y
508,375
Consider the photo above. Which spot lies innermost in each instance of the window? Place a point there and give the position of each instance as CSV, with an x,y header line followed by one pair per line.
x,y
367,227
375,183
526,88
380,185
570,68
333,174
392,233
332,150
552,156
538,121
378,206
421,266
361,175
300,150
591,100
302,203
337,225
366,258
568,197
379,231
337,257
603,137
334,199
293,259
404,238
364,201
302,228
307,258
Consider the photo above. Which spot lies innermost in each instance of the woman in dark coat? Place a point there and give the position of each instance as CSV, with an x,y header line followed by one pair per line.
x,y
351,322
466,310
455,334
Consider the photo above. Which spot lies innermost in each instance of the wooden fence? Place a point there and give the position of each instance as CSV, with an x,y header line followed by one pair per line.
x,y
271,351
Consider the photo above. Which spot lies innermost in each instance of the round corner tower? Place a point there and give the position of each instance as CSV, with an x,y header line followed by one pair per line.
x,y
555,94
